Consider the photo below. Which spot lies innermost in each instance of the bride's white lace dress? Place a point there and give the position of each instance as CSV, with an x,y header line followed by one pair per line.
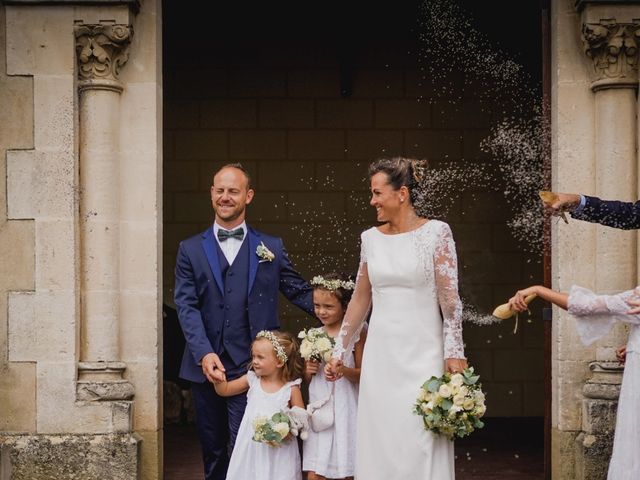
x,y
595,315
408,278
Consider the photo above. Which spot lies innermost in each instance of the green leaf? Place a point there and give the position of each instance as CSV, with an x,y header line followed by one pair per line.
x,y
446,404
433,385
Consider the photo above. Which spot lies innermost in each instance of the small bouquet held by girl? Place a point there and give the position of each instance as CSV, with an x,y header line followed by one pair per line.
x,y
279,427
452,404
316,344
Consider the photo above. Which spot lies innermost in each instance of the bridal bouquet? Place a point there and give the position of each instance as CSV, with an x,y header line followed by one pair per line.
x,y
272,431
316,344
452,404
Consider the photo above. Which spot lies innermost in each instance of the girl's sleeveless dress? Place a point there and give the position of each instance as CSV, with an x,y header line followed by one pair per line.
x,y
255,460
331,453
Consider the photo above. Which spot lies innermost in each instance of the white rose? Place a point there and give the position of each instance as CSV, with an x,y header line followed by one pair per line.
x,y
464,390
445,391
480,410
457,380
259,421
479,396
281,428
323,344
327,356
468,404
302,334
458,399
305,350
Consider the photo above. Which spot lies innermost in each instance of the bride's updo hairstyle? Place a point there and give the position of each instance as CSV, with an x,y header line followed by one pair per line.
x,y
401,171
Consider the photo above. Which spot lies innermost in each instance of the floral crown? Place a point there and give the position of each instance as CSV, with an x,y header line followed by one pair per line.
x,y
280,353
332,285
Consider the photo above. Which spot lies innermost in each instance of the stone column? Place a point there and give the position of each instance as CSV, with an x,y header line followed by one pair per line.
x,y
609,33
101,52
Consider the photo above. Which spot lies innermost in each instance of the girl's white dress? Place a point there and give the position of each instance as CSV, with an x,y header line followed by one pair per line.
x,y
413,278
331,453
595,315
253,460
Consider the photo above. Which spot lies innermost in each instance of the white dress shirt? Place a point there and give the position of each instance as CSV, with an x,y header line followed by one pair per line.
x,y
231,246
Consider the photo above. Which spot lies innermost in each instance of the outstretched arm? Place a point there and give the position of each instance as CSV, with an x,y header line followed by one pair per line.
x,y
517,303
234,387
612,213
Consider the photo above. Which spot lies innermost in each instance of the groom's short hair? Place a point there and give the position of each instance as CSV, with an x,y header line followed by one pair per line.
x,y
240,167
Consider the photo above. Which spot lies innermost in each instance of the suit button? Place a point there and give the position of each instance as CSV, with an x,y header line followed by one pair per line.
x,y
228,290
227,307
230,274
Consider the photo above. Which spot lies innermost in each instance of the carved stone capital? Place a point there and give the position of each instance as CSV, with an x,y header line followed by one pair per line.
x,y
613,47
102,50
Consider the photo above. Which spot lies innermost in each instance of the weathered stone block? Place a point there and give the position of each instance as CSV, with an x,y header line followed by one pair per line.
x,y
314,83
229,114
316,145
289,113
344,113
17,398
86,457
200,145
433,144
409,114
254,144
367,145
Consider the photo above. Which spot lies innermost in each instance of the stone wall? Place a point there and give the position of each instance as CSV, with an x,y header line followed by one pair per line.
x,y
274,104
51,425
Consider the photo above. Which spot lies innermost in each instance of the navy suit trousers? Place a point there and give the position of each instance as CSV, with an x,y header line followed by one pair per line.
x,y
218,420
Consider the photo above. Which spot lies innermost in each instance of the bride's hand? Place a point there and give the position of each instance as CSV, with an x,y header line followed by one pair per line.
x,y
332,370
517,303
456,365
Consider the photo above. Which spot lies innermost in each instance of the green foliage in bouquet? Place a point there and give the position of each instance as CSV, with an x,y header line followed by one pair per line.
x,y
452,404
272,431
316,344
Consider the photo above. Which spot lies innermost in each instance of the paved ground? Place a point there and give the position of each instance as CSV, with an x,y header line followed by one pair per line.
x,y
507,449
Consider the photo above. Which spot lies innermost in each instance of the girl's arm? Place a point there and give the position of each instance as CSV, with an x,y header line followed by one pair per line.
x,y
296,397
517,303
310,369
234,387
353,374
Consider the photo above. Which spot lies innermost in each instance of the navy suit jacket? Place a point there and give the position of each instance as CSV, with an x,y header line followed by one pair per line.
x,y
199,294
612,213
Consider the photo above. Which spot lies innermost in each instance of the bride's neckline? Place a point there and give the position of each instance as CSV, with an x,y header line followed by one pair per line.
x,y
377,229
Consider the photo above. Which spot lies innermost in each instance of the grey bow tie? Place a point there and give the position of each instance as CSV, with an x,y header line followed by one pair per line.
x,y
224,234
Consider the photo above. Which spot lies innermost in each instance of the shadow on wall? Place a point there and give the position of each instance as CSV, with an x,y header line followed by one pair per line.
x,y
178,405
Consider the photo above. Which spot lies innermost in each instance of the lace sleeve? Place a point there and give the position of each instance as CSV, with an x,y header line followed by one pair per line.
x,y
445,264
596,314
357,310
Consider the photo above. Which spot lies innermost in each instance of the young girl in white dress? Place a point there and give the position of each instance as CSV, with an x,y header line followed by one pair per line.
x,y
595,315
331,452
274,385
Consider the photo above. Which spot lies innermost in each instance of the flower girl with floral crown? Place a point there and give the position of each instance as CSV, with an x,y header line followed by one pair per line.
x,y
274,386
330,453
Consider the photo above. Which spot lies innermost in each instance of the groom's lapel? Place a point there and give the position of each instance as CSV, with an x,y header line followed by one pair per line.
x,y
212,256
254,241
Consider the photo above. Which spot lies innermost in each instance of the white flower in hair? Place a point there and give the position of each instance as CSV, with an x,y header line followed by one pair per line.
x,y
280,353
332,285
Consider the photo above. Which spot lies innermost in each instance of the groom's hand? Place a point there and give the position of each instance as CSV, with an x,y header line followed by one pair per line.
x,y
565,202
213,369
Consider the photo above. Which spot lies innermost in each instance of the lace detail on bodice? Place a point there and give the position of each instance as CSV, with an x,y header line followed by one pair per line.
x,y
437,252
596,314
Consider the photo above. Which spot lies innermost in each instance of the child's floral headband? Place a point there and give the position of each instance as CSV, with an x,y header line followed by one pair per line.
x,y
280,353
332,285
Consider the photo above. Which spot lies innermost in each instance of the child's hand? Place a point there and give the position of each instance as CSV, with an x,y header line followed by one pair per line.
x,y
311,367
621,353
332,370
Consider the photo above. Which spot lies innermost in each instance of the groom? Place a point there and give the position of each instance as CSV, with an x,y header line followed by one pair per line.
x,y
227,284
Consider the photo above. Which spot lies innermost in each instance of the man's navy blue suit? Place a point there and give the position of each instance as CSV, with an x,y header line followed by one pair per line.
x,y
612,213
221,308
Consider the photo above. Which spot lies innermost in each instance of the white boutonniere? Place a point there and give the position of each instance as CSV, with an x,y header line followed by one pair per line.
x,y
264,254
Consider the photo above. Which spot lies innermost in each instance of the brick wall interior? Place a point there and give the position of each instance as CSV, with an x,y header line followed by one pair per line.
x,y
264,88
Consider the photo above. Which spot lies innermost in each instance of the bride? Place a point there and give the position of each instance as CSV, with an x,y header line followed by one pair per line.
x,y
408,274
